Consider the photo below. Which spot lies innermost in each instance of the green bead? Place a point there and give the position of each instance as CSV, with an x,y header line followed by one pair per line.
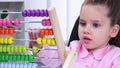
x,y
31,58
1,48
34,49
24,48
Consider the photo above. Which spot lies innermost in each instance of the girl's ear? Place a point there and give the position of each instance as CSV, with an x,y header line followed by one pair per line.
x,y
115,30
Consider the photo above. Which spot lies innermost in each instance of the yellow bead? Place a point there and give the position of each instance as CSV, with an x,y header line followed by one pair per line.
x,y
39,40
5,40
44,40
10,40
48,41
2,40
53,41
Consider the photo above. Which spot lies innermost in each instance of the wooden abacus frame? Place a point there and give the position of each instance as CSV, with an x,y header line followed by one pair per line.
x,y
67,60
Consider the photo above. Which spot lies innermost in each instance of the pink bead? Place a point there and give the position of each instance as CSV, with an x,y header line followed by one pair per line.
x,y
9,22
4,22
44,23
1,22
48,22
17,22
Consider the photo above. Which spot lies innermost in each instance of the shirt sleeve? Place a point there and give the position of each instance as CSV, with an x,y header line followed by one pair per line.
x,y
116,63
50,54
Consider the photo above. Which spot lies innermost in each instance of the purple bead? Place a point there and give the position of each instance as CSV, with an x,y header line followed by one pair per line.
x,y
35,12
31,13
47,13
28,13
42,13
38,13
24,13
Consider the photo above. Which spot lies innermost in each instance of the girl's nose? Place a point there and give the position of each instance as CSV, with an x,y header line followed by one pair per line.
x,y
86,30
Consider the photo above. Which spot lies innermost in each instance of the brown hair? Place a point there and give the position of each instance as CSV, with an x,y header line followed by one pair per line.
x,y
114,15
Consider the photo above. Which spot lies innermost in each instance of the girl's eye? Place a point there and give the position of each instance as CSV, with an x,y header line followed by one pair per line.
x,y
96,25
82,24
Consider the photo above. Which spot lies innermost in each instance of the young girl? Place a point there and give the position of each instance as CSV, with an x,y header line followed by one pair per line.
x,y
99,33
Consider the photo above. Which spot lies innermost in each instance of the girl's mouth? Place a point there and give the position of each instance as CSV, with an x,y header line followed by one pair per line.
x,y
86,39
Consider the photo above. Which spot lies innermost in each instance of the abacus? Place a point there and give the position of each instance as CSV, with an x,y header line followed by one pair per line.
x,y
15,56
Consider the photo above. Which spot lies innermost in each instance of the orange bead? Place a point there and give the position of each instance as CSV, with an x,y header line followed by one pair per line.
x,y
50,32
6,31
2,31
11,31
46,32
42,32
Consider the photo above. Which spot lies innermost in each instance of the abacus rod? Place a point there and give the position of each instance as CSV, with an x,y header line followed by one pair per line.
x,y
30,21
57,33
23,40
42,49
10,12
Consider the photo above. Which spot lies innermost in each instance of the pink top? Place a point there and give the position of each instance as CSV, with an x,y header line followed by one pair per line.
x,y
107,57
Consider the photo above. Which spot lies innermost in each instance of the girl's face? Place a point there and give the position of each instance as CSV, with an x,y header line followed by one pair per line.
x,y
94,27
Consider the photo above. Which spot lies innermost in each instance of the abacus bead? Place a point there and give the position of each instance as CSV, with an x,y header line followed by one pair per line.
x,y
28,13
10,40
24,48
12,48
44,40
2,31
2,40
34,49
8,48
48,41
10,57
44,23
17,22
1,48
24,13
25,65
34,65
46,12
18,57
9,22
4,48
38,12
1,23
6,31
5,40
31,58
9,65
32,13
22,58
20,48
17,66
2,65
4,22
42,32
16,48
11,31
42,13
53,41
39,40
14,57
26,57
48,22
46,31
13,65
50,32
